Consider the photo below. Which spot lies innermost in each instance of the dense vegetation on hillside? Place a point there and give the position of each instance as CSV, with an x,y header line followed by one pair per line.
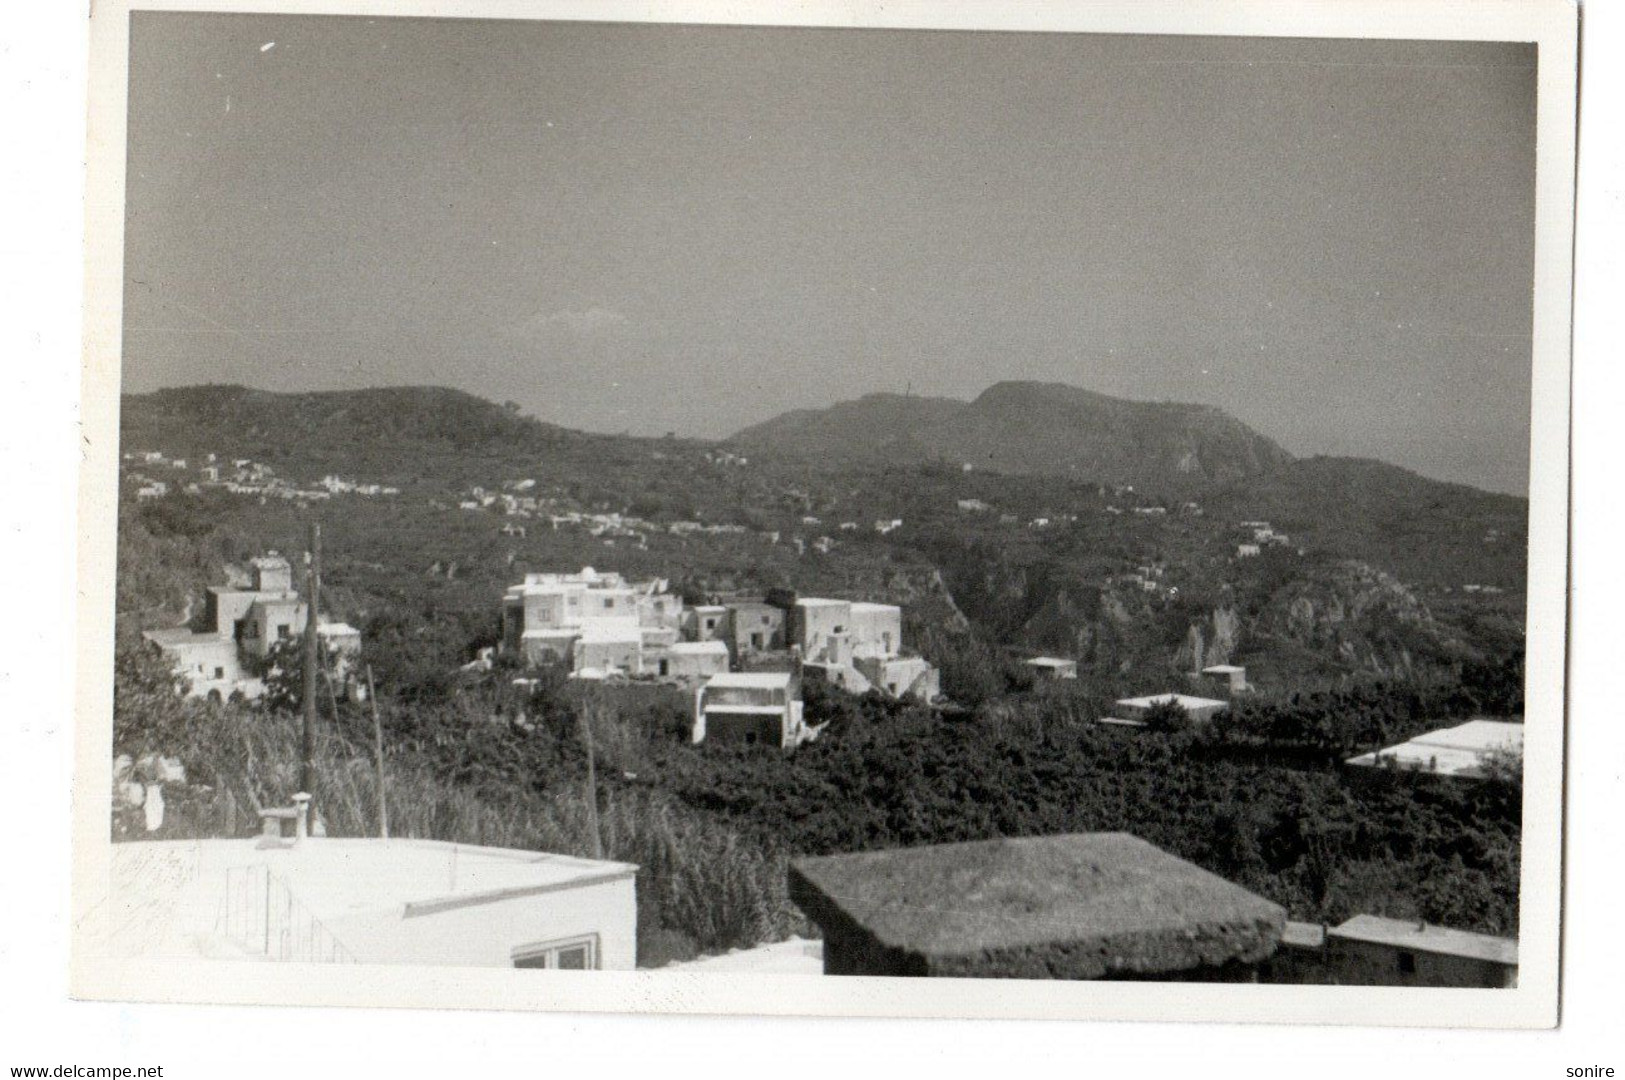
x,y
1359,634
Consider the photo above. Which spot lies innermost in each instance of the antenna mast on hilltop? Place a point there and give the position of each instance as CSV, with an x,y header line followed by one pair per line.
x,y
313,589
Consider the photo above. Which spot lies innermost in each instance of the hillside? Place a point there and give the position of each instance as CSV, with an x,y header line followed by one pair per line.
x,y
1045,564
1035,428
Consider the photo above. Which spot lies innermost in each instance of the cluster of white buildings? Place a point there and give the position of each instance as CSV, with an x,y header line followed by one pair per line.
x,y
747,657
241,625
240,476
601,624
1263,536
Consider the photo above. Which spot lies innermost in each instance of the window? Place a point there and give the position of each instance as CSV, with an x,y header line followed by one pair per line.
x,y
284,631
1407,963
609,603
219,672
570,954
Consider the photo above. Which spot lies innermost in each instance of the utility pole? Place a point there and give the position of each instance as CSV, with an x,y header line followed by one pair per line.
x,y
313,597
378,756
589,708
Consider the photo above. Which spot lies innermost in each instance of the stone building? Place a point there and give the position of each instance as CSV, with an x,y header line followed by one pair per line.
x,y
1369,950
1080,906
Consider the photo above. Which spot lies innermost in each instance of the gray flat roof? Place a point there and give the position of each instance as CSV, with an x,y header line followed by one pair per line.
x,y
1081,905
180,635
751,680
1423,937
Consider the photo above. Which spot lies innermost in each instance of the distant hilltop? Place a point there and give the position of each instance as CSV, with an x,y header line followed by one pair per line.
x,y
1013,428
1031,428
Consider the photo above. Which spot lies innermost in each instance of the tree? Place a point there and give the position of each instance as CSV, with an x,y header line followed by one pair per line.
x,y
1168,715
149,706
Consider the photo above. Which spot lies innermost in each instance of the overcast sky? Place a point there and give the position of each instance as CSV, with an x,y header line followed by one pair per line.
x,y
652,229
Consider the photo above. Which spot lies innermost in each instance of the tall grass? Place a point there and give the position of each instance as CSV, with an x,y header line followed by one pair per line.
x,y
701,887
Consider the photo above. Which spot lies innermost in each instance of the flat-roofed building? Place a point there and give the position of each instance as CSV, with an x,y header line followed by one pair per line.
x,y
750,708
1053,668
857,645
754,627
609,645
271,573
208,663
326,900
590,619
1231,677
695,659
1199,709
901,676
273,620
1465,751
705,622
1369,950
822,629
876,629
239,627
1079,906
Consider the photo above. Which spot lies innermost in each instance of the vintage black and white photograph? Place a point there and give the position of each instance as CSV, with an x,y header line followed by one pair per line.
x,y
789,502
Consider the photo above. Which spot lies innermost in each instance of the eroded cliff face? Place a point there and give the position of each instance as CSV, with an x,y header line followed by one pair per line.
x,y
1213,639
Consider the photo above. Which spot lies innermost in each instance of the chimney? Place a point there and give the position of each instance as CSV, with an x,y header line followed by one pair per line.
x,y
301,819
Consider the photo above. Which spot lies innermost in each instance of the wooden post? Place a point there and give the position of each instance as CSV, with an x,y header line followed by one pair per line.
x,y
587,709
378,755
313,578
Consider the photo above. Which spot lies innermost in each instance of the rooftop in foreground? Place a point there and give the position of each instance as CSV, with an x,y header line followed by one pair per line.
x,y
1084,905
360,888
797,956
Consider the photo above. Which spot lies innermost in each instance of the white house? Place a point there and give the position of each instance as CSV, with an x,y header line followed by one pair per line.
x,y
1053,668
1199,709
1462,751
858,645
325,900
754,708
1230,676
590,619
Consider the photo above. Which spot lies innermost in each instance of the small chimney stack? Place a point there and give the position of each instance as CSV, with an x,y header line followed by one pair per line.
x,y
301,817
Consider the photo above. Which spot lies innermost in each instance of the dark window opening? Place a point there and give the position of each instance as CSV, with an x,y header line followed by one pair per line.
x,y
1407,963
576,954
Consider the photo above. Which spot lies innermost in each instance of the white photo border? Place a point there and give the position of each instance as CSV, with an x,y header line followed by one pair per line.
x,y
1551,24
